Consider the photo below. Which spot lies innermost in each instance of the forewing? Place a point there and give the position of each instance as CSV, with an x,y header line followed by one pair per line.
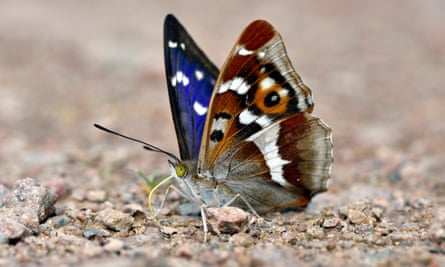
x,y
190,80
256,88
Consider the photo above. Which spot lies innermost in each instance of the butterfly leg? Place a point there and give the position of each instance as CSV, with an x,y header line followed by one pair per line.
x,y
238,195
164,198
204,221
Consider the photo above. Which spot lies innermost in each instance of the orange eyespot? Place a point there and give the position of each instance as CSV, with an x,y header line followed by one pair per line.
x,y
181,170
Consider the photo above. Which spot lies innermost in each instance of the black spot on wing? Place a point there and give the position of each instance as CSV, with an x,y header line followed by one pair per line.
x,y
222,115
216,136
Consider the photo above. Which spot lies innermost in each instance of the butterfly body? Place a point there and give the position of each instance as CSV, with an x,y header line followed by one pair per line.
x,y
246,134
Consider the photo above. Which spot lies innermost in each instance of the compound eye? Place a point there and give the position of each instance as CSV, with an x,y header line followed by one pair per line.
x,y
181,170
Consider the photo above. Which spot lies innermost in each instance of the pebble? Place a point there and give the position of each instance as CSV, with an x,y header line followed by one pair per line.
x,y
168,231
10,230
401,236
97,196
331,222
378,212
28,205
4,195
78,194
242,239
315,231
437,234
58,221
3,239
356,216
301,227
60,187
227,220
115,245
29,195
332,244
90,232
115,220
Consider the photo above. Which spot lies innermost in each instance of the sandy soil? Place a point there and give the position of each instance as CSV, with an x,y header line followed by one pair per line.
x,y
376,70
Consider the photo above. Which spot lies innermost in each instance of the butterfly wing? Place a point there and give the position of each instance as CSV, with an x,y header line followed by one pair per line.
x,y
259,124
190,80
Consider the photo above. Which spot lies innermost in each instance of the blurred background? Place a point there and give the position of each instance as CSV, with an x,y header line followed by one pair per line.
x,y
376,70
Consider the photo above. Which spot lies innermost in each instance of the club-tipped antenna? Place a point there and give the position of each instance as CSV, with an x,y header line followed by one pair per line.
x,y
146,145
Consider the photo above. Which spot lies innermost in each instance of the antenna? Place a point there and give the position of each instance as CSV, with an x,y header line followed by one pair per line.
x,y
146,145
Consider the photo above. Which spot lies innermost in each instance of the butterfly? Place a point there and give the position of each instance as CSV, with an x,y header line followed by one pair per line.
x,y
246,134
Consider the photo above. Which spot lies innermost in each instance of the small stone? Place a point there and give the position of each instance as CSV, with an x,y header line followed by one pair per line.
x,y
78,195
115,220
377,212
168,231
58,221
289,237
3,240
241,239
401,236
301,227
437,234
90,232
227,220
45,228
346,244
331,222
343,213
332,244
114,245
29,204
60,187
4,195
97,196
315,231
27,194
187,250
357,217
12,230
133,209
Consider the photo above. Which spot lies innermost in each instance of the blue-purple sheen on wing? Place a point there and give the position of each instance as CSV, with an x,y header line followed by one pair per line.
x,y
190,79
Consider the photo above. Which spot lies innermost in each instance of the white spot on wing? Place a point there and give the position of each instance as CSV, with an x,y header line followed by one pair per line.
x,y
246,117
266,141
224,87
199,75
180,78
266,83
264,121
244,52
237,85
172,44
243,88
182,45
261,54
199,108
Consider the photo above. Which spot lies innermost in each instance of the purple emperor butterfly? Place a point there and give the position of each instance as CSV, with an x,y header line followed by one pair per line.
x,y
246,134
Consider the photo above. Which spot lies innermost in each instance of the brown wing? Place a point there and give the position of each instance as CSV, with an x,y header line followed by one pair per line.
x,y
294,152
256,88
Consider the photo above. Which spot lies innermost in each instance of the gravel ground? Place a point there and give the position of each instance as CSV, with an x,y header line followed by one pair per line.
x,y
71,196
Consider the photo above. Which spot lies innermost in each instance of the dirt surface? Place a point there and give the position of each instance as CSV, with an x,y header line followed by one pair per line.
x,y
376,70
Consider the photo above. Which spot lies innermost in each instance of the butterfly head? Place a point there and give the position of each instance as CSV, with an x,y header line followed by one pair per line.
x,y
178,169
